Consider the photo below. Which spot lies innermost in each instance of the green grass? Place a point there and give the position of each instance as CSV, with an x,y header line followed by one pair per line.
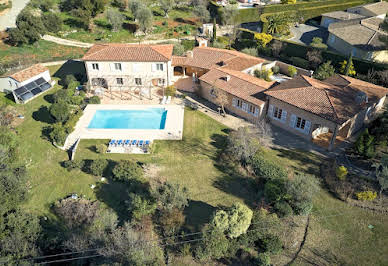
x,y
42,51
342,237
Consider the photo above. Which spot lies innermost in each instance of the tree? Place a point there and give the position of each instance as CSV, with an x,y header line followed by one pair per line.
x,y
29,29
98,166
263,39
166,6
382,178
144,17
121,4
127,170
267,169
94,100
172,196
288,2
230,18
301,191
202,13
58,134
140,206
324,71
214,245
60,111
347,67
314,57
276,47
134,6
242,144
214,38
278,24
317,43
292,71
115,18
178,49
52,22
233,221
171,221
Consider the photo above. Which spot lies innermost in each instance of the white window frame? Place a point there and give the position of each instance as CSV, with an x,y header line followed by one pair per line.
x,y
159,67
161,82
303,121
138,81
95,66
117,67
121,81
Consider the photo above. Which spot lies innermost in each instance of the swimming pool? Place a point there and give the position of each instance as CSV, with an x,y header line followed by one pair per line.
x,y
150,118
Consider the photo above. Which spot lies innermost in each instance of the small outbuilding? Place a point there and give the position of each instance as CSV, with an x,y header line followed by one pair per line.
x,y
26,84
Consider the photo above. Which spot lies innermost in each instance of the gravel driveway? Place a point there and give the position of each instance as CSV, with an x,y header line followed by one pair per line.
x,y
8,19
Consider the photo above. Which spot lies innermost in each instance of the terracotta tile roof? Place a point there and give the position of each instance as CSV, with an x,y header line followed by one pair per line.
x,y
129,52
208,58
28,73
240,84
335,103
178,60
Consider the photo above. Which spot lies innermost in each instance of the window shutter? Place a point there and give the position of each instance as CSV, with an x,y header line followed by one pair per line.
x,y
307,127
270,110
234,102
112,66
292,120
284,116
153,67
256,111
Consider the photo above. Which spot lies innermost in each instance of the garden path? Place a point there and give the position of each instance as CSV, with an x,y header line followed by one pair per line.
x,y
8,19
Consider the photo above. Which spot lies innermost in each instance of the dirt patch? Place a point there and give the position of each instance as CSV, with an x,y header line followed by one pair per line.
x,y
152,173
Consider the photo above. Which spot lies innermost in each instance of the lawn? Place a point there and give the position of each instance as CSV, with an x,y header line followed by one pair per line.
x,y
338,233
42,51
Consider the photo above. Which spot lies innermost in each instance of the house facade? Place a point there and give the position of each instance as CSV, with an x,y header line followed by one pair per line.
x,y
337,107
115,67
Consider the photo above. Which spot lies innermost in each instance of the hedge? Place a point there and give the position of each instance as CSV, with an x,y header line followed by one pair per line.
x,y
308,10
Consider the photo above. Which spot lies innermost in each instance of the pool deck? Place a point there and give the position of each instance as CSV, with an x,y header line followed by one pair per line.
x,y
173,127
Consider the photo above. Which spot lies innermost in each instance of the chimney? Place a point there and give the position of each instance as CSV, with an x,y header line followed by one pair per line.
x,y
227,78
202,42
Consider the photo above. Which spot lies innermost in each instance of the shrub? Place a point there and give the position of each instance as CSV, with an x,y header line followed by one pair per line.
x,y
77,100
215,245
126,170
62,96
68,79
267,169
94,100
275,69
263,39
172,196
341,172
72,121
366,195
272,244
52,22
178,49
300,62
344,66
364,145
263,74
250,51
170,91
317,43
301,191
274,190
324,71
291,71
58,134
140,206
283,209
72,165
264,259
171,221
98,166
101,148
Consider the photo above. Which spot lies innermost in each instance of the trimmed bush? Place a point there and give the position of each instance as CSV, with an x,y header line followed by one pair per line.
x,y
274,190
300,62
291,71
283,209
72,121
126,170
272,244
267,169
97,167
72,165
60,111
341,172
94,100
58,134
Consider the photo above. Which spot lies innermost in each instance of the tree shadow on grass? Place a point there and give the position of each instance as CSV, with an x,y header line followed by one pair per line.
x,y
114,195
197,213
43,115
49,98
307,162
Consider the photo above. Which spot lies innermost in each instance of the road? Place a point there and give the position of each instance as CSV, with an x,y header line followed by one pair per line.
x,y
8,19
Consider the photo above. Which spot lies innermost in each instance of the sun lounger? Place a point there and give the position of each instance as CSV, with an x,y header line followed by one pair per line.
x,y
134,142
127,142
168,100
163,100
120,142
112,142
147,143
141,142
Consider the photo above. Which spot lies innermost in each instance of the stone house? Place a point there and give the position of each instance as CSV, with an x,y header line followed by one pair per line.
x,y
116,67
336,107
378,9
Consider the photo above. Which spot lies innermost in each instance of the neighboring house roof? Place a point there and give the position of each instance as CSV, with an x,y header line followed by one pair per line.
x,y
240,84
378,8
178,60
358,35
25,74
334,103
129,52
342,15
208,58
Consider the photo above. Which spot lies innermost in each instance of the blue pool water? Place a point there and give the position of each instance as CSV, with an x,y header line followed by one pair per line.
x,y
151,118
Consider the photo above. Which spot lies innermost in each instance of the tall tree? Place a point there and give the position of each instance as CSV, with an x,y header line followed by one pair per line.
x,y
166,6
214,39
202,13
230,18
145,18
115,18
